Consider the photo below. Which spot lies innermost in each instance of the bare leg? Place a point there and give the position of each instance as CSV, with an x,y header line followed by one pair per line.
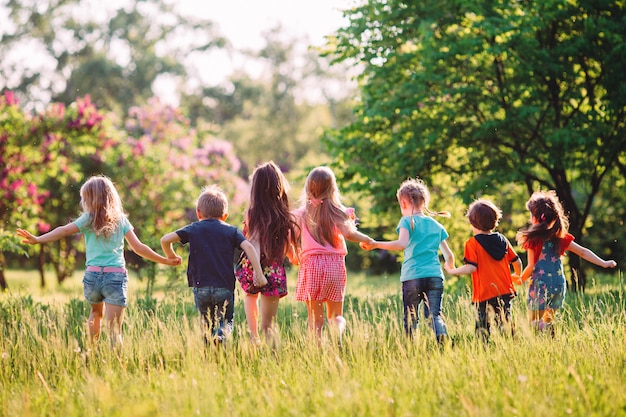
x,y
534,315
94,320
115,317
316,317
252,313
269,309
335,316
548,315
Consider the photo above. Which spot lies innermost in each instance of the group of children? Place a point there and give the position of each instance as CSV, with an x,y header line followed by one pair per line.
x,y
313,238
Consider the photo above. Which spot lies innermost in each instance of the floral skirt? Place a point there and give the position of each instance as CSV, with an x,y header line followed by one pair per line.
x,y
275,274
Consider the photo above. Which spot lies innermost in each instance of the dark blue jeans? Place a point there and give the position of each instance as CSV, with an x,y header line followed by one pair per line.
x,y
430,292
495,311
217,308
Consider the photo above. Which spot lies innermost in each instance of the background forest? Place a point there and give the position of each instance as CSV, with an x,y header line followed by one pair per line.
x,y
479,98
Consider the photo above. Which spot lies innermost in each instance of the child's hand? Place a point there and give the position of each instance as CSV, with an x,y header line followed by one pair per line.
x,y
175,261
259,281
368,245
517,280
449,268
28,237
610,264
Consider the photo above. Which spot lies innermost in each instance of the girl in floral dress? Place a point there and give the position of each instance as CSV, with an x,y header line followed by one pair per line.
x,y
545,241
272,229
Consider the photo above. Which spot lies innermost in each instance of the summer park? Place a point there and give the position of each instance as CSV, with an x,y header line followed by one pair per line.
x,y
418,135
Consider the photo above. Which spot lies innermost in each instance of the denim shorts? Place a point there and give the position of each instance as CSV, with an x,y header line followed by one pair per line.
x,y
110,287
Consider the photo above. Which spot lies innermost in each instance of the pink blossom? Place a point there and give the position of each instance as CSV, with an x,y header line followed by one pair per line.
x,y
9,98
43,227
31,189
16,184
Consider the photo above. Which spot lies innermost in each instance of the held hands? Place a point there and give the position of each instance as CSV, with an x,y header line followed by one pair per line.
x,y
174,261
517,280
259,281
27,237
368,245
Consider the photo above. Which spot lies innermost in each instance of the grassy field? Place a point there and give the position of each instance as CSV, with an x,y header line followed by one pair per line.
x,y
164,369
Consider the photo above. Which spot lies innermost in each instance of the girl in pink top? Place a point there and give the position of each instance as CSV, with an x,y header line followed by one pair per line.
x,y
325,223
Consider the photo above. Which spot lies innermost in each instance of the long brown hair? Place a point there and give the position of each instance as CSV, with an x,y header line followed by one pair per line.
x,y
324,212
269,220
99,199
552,223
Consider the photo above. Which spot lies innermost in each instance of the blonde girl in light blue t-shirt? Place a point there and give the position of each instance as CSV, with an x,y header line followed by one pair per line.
x,y
105,226
421,238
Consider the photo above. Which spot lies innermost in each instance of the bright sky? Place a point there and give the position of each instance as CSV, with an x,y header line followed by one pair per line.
x,y
244,21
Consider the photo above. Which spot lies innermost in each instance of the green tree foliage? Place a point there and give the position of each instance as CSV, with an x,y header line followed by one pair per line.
x,y
82,48
488,92
45,159
158,162
162,167
277,115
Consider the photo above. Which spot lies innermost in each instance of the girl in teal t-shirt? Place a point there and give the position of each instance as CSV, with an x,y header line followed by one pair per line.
x,y
421,237
105,226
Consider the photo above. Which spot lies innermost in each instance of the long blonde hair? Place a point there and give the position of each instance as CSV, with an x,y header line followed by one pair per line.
x,y
100,200
324,212
415,192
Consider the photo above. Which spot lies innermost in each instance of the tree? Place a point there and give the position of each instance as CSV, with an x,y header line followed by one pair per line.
x,y
163,164
46,157
529,92
113,55
278,115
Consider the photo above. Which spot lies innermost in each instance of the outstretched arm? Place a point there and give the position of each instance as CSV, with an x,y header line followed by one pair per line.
x,y
258,279
528,271
166,244
51,236
517,271
466,269
589,256
448,256
356,236
146,252
399,244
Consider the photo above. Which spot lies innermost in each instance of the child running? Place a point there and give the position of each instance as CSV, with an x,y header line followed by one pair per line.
x,y
488,258
105,226
545,241
273,231
325,223
421,237
210,271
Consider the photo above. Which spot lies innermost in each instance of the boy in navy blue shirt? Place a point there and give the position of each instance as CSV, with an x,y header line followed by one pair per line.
x,y
210,270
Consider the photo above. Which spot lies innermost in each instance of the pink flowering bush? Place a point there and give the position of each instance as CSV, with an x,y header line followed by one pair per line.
x,y
158,162
44,158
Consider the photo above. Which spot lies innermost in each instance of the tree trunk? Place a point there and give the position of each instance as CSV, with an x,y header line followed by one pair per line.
x,y
578,279
42,263
3,282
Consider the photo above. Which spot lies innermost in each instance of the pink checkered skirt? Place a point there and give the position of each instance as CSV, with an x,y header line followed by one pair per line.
x,y
322,278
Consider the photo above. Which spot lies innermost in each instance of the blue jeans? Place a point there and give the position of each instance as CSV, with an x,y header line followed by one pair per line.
x,y
430,292
110,287
502,316
217,308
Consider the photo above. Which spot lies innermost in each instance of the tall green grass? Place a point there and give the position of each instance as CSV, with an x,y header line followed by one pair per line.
x,y
46,368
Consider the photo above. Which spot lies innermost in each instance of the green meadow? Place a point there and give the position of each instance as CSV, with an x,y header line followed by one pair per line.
x,y
164,369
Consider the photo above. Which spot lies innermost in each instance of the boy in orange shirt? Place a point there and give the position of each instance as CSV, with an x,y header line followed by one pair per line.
x,y
488,257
